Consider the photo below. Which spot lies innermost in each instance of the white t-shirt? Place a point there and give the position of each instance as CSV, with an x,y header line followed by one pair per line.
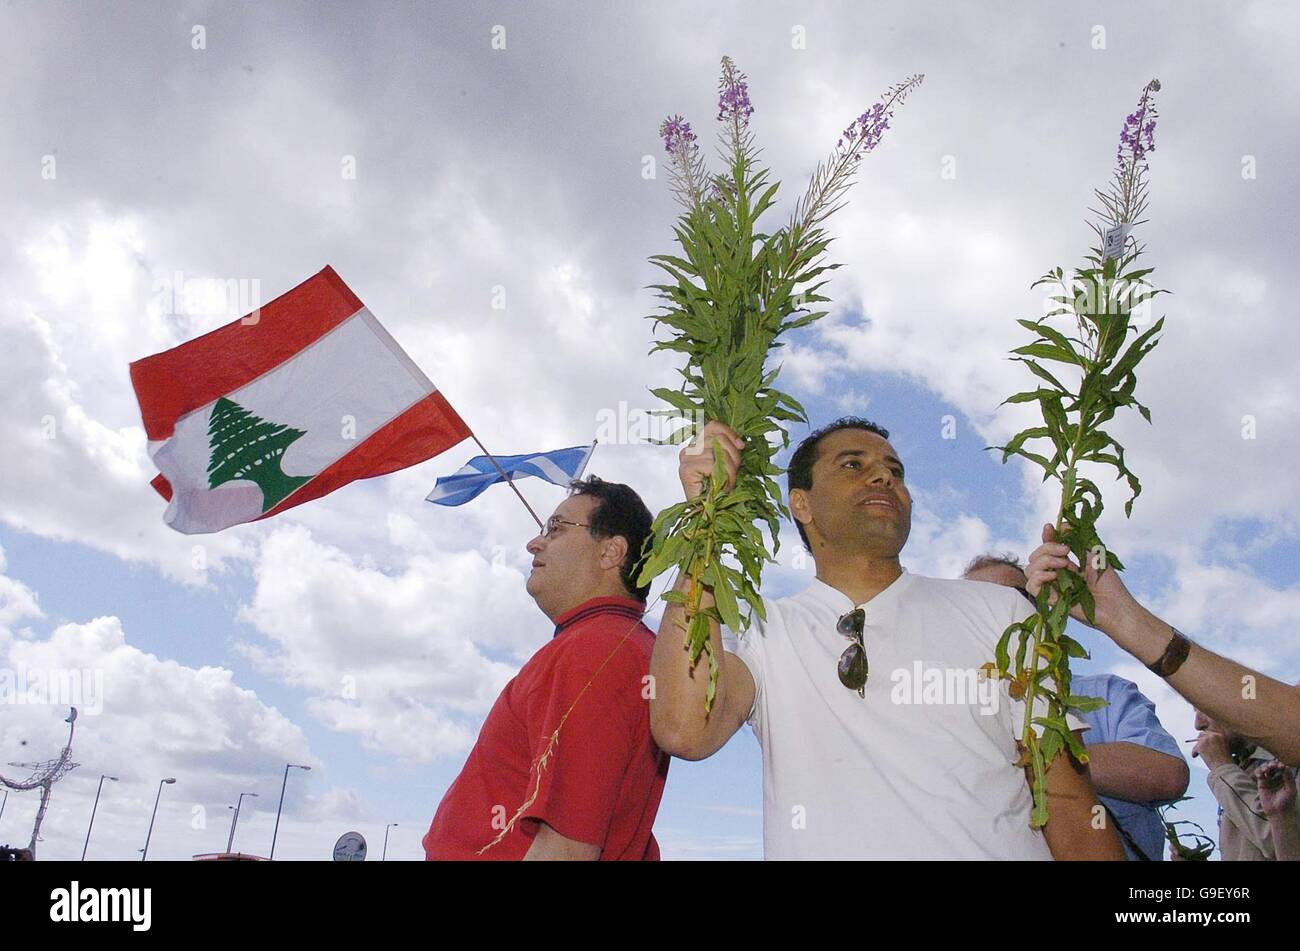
x,y
919,768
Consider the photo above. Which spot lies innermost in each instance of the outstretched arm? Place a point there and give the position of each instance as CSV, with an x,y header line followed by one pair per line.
x,y
1243,700
1136,773
677,718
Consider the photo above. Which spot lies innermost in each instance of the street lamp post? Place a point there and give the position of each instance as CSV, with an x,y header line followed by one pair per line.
x,y
144,853
384,856
234,820
287,767
3,802
92,812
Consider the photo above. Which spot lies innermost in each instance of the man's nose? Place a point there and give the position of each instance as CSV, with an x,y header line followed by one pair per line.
x,y
535,546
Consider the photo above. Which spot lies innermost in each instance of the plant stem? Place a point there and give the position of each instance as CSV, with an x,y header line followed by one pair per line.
x,y
1031,688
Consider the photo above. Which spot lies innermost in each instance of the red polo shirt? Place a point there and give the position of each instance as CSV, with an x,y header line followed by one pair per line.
x,y
604,777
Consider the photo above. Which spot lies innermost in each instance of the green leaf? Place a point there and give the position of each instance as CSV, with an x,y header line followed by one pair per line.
x,y
1052,744
1019,439
1042,374
1038,818
1089,606
678,400
1047,351
1058,338
1030,396
1136,350
726,601
1086,704
1002,655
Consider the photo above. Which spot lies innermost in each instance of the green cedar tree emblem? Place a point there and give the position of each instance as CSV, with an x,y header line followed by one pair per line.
x,y
245,446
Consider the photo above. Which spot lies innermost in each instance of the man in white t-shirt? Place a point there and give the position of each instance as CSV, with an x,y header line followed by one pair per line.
x,y
886,746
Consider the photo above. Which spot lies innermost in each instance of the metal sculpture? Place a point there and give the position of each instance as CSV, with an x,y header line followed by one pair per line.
x,y
44,776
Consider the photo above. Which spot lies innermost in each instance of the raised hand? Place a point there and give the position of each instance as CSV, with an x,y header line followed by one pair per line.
x,y
695,465
1277,789
1111,598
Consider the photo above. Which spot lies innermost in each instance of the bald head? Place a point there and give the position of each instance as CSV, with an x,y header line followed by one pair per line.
x,y
996,569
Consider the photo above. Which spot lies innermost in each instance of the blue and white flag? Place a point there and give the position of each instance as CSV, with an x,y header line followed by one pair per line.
x,y
559,467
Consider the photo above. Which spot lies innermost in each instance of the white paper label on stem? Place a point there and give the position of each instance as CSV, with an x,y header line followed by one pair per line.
x,y
1113,243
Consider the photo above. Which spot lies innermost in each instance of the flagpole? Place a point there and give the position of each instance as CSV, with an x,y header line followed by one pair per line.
x,y
505,475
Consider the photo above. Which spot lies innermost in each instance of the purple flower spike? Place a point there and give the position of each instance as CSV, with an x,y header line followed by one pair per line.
x,y
1138,136
733,95
679,140
864,132
686,166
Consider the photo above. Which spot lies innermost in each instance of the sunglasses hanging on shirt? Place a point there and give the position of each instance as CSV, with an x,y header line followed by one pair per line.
x,y
853,662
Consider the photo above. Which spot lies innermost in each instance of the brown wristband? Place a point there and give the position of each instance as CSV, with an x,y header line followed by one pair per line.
x,y
1175,653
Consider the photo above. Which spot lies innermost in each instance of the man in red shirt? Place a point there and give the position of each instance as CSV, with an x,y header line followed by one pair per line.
x,y
565,766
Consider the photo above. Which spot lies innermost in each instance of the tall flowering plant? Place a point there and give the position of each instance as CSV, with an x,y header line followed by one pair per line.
x,y
731,293
1094,374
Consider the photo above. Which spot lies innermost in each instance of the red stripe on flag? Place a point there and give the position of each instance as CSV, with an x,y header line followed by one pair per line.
x,y
178,381
162,486
429,427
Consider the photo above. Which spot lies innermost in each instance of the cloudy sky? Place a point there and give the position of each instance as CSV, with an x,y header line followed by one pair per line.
x,y
445,158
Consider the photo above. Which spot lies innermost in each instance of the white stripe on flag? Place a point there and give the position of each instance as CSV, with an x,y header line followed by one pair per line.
x,y
367,381
548,470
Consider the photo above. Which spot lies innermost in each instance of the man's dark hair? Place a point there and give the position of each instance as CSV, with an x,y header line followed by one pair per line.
x,y
619,511
799,473
989,560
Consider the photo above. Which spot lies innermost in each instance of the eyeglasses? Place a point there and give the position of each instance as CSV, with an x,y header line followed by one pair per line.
x,y
555,522
853,662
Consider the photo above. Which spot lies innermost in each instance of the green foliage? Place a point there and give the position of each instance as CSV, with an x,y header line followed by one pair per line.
x,y
1083,374
1194,845
730,294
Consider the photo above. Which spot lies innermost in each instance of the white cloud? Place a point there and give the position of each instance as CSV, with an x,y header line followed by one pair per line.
x,y
396,658
142,718
80,470
17,601
1232,610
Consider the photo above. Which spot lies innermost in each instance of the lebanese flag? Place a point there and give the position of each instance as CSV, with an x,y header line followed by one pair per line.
x,y
284,405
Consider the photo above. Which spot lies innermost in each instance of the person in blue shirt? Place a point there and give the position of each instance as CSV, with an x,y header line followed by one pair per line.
x,y
1136,765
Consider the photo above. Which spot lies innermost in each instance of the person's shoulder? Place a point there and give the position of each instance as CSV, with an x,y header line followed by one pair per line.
x,y
775,610
800,608
977,609
616,639
1104,685
788,604
779,615
962,590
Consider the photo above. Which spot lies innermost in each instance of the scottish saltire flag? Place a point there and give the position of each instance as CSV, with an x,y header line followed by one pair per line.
x,y
559,467
293,401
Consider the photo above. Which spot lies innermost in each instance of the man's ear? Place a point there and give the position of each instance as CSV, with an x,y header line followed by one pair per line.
x,y
799,507
613,552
